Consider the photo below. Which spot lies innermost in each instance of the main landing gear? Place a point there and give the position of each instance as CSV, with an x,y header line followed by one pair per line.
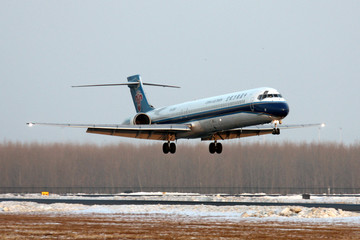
x,y
215,147
169,147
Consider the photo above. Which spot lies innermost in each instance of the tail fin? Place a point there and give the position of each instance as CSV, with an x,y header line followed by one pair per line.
x,y
137,92
136,88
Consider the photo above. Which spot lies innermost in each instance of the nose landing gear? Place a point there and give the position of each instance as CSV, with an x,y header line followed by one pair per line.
x,y
276,130
215,147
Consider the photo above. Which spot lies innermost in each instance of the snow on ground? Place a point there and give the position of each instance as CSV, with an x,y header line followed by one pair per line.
x,y
278,213
283,213
158,196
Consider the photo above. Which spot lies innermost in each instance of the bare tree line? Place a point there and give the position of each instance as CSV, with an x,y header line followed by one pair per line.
x,y
251,167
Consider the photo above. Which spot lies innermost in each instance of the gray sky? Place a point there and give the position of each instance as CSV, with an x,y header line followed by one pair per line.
x,y
308,50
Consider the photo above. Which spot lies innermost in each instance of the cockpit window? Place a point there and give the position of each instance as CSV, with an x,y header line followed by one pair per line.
x,y
266,95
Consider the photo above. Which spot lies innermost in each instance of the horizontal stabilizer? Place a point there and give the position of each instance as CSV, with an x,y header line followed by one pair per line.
x,y
126,84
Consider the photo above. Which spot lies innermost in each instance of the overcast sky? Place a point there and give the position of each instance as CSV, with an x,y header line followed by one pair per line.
x,y
308,50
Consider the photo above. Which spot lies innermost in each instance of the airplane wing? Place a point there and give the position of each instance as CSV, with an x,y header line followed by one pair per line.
x,y
156,132
254,131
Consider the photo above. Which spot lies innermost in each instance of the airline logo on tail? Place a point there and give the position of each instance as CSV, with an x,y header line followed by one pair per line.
x,y
138,99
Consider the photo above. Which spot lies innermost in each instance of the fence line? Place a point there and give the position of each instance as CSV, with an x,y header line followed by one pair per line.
x,y
202,190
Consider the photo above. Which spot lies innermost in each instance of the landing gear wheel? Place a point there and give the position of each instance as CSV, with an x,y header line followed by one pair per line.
x,y
276,131
215,147
166,148
172,148
218,148
169,147
212,148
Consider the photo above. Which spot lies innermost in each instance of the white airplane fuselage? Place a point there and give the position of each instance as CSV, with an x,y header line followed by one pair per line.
x,y
214,114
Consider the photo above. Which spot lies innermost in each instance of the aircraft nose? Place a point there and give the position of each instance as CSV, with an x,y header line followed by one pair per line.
x,y
277,110
284,110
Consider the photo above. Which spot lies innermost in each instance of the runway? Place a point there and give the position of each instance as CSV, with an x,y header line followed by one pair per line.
x,y
344,207
179,216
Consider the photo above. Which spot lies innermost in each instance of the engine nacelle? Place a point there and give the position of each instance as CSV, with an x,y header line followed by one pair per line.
x,y
141,118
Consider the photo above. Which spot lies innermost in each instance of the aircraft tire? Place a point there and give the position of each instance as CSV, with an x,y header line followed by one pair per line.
x,y
218,148
212,148
172,148
276,131
166,148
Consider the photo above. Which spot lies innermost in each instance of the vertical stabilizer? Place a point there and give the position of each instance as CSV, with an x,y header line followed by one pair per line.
x,y
137,92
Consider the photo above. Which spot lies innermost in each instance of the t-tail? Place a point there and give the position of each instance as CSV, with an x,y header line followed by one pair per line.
x,y
138,95
137,91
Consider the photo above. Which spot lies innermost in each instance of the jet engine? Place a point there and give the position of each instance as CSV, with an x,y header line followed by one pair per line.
x,y
141,118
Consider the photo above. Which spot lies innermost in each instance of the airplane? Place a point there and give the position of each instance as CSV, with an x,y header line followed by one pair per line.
x,y
234,115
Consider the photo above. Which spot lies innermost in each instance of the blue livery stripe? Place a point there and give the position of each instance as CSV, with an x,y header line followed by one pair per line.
x,y
268,108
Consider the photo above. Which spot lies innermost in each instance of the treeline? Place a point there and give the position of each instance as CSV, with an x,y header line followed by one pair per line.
x,y
271,168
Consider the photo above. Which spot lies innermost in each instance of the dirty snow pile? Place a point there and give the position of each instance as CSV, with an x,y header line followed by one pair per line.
x,y
290,212
222,212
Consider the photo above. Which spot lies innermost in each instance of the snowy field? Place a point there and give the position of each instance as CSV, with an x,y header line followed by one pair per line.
x,y
220,213
158,196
